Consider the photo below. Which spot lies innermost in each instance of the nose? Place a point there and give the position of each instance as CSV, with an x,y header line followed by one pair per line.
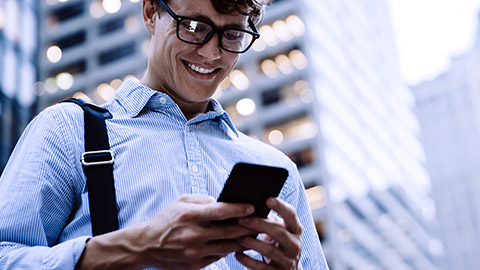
x,y
211,50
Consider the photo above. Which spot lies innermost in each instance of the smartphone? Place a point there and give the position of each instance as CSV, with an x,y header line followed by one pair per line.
x,y
254,184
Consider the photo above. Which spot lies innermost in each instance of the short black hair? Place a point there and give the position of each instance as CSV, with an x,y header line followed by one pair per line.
x,y
254,9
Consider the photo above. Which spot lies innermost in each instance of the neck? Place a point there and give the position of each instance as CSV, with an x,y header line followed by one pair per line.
x,y
189,109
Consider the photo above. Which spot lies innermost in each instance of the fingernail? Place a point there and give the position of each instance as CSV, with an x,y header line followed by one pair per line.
x,y
250,210
271,202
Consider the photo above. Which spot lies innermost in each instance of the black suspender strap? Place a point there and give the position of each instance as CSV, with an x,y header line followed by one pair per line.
x,y
97,161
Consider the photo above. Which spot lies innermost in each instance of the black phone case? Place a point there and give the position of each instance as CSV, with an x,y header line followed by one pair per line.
x,y
253,183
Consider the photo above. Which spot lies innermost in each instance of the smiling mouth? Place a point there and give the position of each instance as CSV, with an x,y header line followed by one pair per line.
x,y
199,69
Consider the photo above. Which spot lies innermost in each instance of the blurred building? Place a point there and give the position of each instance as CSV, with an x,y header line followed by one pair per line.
x,y
18,70
89,47
322,85
449,112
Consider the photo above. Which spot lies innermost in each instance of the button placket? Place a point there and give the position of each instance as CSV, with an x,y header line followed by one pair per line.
x,y
194,160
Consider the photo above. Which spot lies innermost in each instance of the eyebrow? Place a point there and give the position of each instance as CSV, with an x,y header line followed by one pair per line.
x,y
204,18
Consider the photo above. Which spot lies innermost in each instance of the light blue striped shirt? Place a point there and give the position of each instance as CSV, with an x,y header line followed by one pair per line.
x,y
159,155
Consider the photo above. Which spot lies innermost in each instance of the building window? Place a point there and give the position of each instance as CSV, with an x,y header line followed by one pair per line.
x,y
295,129
299,90
284,63
67,13
116,53
111,26
71,40
75,68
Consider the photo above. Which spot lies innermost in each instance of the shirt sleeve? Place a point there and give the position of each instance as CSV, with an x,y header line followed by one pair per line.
x,y
312,256
37,197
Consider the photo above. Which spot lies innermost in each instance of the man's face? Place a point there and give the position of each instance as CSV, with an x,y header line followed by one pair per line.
x,y
190,73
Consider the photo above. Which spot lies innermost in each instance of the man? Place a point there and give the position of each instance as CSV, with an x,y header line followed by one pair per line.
x,y
174,147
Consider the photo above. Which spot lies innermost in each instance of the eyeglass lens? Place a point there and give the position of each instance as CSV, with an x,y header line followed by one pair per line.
x,y
198,32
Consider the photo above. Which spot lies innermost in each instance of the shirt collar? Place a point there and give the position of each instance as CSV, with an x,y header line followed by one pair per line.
x,y
134,97
216,112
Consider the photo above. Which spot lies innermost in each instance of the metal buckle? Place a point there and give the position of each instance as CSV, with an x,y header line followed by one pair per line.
x,y
98,153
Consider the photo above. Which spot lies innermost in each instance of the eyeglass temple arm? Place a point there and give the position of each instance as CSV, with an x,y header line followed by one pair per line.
x,y
254,28
168,10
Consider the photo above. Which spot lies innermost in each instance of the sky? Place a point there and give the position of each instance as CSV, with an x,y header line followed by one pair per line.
x,y
430,32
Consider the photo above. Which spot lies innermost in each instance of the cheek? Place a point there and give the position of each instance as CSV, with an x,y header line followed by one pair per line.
x,y
232,62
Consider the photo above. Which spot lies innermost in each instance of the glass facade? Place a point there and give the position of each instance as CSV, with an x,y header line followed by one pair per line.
x,y
380,210
18,70
448,108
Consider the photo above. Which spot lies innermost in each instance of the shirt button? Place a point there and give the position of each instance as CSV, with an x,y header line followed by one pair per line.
x,y
163,100
194,168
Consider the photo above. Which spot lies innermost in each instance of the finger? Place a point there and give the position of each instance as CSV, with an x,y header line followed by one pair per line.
x,y
249,262
287,212
217,231
196,198
289,243
223,211
265,249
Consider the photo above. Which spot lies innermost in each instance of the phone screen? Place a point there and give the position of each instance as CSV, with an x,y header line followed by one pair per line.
x,y
253,183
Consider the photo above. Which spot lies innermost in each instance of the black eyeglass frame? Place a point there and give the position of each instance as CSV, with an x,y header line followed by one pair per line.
x,y
215,30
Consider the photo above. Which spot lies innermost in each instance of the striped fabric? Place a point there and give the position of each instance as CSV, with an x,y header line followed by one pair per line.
x,y
159,155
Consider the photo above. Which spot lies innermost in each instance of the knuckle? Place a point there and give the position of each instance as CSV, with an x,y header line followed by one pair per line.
x,y
190,238
184,197
297,247
216,212
191,253
270,250
300,228
186,216
277,234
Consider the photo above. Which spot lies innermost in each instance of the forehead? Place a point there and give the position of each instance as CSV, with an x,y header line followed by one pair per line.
x,y
204,10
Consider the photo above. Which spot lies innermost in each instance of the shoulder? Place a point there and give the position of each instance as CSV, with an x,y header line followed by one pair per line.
x,y
63,112
263,153
60,126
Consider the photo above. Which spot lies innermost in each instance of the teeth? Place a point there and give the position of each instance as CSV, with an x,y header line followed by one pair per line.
x,y
199,69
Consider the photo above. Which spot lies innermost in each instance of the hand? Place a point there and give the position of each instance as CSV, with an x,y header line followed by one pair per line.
x,y
190,239
182,236
281,246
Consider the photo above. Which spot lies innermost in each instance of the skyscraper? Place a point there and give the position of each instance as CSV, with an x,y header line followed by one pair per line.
x,y
347,119
449,111
322,85
18,70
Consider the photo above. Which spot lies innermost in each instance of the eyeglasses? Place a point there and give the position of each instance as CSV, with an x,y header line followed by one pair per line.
x,y
194,31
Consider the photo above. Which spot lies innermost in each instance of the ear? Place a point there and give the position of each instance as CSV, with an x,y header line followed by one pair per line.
x,y
149,15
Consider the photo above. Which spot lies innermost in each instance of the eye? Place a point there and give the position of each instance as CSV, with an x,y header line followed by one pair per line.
x,y
232,35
